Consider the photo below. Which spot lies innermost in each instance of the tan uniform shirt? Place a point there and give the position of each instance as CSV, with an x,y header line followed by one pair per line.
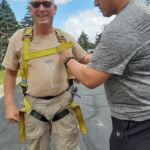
x,y
46,75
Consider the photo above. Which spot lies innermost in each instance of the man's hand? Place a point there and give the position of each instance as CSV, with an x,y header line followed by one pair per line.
x,y
12,114
87,57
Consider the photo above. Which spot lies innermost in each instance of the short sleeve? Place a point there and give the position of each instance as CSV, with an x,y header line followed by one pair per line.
x,y
11,59
115,50
77,50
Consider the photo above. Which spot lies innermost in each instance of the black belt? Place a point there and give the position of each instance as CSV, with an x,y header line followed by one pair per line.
x,y
47,97
57,117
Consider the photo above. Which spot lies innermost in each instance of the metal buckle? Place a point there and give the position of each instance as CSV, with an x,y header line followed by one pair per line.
x,y
27,36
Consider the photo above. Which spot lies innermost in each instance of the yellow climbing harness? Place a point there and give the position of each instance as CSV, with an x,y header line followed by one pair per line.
x,y
27,55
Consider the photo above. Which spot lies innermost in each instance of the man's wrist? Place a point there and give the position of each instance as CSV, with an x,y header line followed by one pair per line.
x,y
67,59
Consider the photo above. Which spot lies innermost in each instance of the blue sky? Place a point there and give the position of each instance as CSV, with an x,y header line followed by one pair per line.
x,y
73,16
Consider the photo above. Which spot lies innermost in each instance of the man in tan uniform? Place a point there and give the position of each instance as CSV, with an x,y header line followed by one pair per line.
x,y
47,82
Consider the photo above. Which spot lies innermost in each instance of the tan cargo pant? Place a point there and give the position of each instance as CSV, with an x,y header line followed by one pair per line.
x,y
65,130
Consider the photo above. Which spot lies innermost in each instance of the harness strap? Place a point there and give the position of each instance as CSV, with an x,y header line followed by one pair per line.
x,y
57,117
60,37
24,69
61,115
77,110
47,52
26,109
38,116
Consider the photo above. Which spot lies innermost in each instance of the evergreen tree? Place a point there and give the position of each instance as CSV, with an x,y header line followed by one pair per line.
x,y
83,40
98,37
27,20
147,2
91,45
8,25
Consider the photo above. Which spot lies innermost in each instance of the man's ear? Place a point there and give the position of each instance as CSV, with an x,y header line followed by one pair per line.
x,y
29,8
55,9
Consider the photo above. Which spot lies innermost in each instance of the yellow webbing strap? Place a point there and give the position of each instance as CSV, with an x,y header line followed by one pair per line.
x,y
76,108
69,74
26,109
23,73
62,39
60,36
47,52
27,40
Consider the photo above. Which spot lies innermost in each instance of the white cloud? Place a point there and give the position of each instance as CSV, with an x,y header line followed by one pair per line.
x,y
58,2
90,21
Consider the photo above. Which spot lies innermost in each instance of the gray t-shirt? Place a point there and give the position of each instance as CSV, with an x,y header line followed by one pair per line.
x,y
124,52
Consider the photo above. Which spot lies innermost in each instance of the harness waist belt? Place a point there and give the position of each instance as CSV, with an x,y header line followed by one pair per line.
x,y
57,117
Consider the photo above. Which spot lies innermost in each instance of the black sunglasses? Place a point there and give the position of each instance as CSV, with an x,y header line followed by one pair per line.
x,y
46,4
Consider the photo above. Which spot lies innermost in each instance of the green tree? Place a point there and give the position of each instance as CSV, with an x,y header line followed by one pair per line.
x,y
83,40
3,45
98,37
91,45
147,2
8,25
27,20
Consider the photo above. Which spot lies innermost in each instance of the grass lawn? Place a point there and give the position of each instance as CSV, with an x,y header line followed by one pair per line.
x,y
1,76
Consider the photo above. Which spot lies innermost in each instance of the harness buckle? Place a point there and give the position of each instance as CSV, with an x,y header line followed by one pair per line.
x,y
29,36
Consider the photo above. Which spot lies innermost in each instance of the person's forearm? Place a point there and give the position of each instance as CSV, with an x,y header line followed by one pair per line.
x,y
76,69
82,73
9,87
88,76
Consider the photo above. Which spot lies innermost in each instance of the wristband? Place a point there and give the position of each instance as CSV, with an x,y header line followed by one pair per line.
x,y
66,60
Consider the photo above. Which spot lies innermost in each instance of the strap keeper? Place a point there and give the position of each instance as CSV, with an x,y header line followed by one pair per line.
x,y
67,59
28,33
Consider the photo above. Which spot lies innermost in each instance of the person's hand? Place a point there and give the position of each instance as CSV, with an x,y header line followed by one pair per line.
x,y
87,57
64,54
12,114
77,81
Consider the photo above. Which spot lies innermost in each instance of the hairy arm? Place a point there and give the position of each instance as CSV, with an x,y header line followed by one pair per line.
x,y
9,87
89,77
